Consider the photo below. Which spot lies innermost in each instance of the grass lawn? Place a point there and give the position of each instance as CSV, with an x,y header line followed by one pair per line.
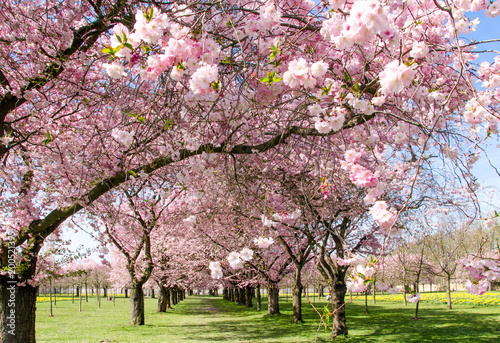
x,y
207,319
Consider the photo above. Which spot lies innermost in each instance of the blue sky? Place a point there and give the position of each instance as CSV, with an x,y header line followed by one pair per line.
x,y
489,28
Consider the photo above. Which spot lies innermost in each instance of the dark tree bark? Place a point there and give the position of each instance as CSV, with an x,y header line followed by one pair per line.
x,y
448,291
257,295
248,296
167,295
338,291
273,305
137,305
126,292
17,311
162,300
241,296
297,296
236,295
173,292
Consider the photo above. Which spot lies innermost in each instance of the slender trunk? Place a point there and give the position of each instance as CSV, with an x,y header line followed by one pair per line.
x,y
366,301
98,295
162,300
257,294
416,310
80,300
17,311
105,291
86,293
297,296
137,305
126,292
248,296
448,291
72,294
273,292
152,293
337,293
50,297
225,294
374,301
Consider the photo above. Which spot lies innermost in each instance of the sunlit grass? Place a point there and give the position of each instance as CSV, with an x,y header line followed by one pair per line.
x,y
207,319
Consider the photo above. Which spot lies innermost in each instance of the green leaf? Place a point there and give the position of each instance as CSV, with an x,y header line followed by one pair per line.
x,y
128,45
48,139
168,123
347,77
119,38
141,119
108,51
131,172
326,90
270,79
356,87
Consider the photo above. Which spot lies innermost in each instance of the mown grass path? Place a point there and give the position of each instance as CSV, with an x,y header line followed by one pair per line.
x,y
207,319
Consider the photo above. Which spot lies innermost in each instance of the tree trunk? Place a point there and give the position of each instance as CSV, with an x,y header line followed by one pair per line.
x,y
374,293
366,301
17,311
126,292
162,300
169,304
236,295
241,300
105,292
448,291
297,296
173,297
136,305
337,293
248,296
257,295
273,293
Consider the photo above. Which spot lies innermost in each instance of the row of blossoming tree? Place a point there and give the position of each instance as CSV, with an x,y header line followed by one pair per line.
x,y
107,105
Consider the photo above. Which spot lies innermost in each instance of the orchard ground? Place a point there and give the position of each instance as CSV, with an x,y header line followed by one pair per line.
x,y
212,319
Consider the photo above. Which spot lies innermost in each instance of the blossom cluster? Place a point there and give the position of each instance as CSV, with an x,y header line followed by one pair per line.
x,y
263,242
300,73
482,272
360,278
383,217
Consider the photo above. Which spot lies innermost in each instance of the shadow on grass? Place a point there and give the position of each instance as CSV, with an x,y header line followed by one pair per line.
x,y
433,325
382,324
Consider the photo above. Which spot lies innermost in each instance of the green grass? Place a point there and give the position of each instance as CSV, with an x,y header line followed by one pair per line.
x,y
207,319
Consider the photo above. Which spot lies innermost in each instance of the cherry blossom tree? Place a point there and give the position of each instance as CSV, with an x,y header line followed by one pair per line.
x,y
95,93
